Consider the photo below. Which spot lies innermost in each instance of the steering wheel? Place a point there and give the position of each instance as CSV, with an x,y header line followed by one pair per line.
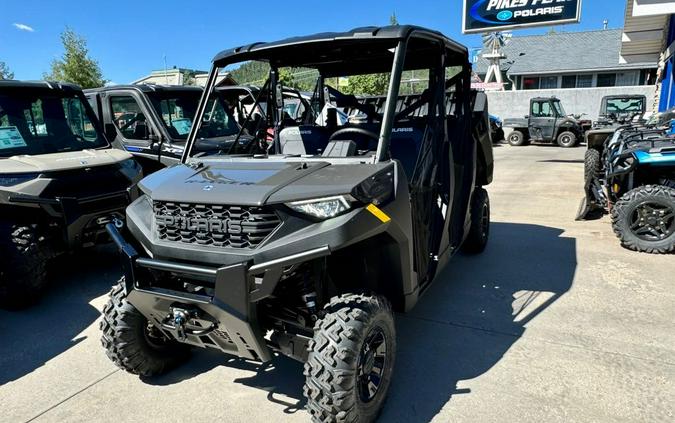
x,y
359,131
354,130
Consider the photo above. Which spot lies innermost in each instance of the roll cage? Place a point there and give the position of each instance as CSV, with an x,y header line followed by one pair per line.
x,y
367,50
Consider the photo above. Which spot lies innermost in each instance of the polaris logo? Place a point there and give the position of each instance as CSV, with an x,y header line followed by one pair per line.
x,y
399,130
200,224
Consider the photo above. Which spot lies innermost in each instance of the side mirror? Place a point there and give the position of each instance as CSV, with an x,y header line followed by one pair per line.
x,y
110,131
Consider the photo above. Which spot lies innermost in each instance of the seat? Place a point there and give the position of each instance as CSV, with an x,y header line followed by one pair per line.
x,y
405,145
304,139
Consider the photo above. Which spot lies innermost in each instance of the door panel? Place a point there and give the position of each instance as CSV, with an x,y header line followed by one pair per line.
x,y
542,121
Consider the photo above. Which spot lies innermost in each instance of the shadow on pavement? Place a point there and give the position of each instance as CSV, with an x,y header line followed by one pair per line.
x,y
560,161
280,377
474,312
31,337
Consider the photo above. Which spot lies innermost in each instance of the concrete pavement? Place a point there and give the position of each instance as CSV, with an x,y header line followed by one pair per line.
x,y
554,322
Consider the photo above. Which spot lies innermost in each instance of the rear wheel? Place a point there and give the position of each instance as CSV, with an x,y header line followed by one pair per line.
x,y
24,276
644,219
479,232
592,166
516,138
133,343
351,359
567,139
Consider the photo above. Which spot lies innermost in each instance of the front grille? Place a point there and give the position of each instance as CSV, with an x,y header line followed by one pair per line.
x,y
214,225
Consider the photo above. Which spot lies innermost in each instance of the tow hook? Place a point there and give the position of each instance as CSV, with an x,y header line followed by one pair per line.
x,y
177,321
119,223
180,318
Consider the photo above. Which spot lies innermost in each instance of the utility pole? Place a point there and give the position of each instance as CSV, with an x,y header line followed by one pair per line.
x,y
166,72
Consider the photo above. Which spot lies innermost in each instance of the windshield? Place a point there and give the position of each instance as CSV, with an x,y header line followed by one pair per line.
x,y
178,110
41,121
559,108
625,105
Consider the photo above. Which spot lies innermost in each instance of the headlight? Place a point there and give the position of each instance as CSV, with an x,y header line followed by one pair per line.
x,y
323,208
16,179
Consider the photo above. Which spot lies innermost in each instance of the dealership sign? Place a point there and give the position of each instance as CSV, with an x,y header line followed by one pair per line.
x,y
500,15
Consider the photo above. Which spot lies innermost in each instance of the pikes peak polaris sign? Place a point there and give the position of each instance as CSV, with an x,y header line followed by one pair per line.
x,y
500,15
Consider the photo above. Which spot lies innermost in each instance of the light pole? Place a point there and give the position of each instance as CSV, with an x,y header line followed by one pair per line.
x,y
166,72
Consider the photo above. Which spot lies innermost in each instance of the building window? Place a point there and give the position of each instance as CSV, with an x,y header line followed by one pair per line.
x,y
626,79
584,81
569,81
530,83
548,82
606,79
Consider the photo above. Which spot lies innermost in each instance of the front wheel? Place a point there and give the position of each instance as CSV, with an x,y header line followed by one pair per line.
x,y
644,219
134,344
516,138
351,359
24,277
567,139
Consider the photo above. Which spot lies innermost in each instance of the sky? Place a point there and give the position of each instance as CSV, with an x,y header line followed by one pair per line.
x,y
131,38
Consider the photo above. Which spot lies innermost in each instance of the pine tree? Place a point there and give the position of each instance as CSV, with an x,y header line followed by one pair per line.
x,y
5,72
76,66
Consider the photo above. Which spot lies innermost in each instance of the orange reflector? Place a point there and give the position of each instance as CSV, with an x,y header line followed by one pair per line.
x,y
378,213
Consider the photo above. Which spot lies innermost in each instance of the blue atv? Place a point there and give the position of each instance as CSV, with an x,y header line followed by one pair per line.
x,y
634,180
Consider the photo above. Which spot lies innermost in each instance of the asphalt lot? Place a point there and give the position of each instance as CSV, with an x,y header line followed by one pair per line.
x,y
554,322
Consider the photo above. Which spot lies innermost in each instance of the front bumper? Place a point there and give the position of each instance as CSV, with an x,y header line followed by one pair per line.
x,y
83,218
226,320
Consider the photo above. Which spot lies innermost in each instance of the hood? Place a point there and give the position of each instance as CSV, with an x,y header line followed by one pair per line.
x,y
250,182
62,161
246,182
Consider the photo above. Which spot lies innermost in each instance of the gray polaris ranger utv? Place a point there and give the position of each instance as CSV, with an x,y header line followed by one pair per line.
x,y
60,182
307,244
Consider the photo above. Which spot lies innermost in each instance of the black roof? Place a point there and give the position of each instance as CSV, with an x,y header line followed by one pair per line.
x,y
363,50
4,83
145,88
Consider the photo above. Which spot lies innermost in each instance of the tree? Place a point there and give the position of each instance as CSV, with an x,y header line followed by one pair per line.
x,y
286,77
5,72
76,66
372,84
189,77
392,19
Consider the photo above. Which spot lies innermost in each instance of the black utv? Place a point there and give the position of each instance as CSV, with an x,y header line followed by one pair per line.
x,y
547,123
262,249
60,182
152,122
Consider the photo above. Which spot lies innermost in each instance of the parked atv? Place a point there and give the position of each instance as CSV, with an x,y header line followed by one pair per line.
x,y
60,182
615,111
546,123
255,251
637,185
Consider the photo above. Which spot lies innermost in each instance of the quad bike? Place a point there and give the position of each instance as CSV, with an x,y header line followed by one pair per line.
x,y
60,183
307,246
634,180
